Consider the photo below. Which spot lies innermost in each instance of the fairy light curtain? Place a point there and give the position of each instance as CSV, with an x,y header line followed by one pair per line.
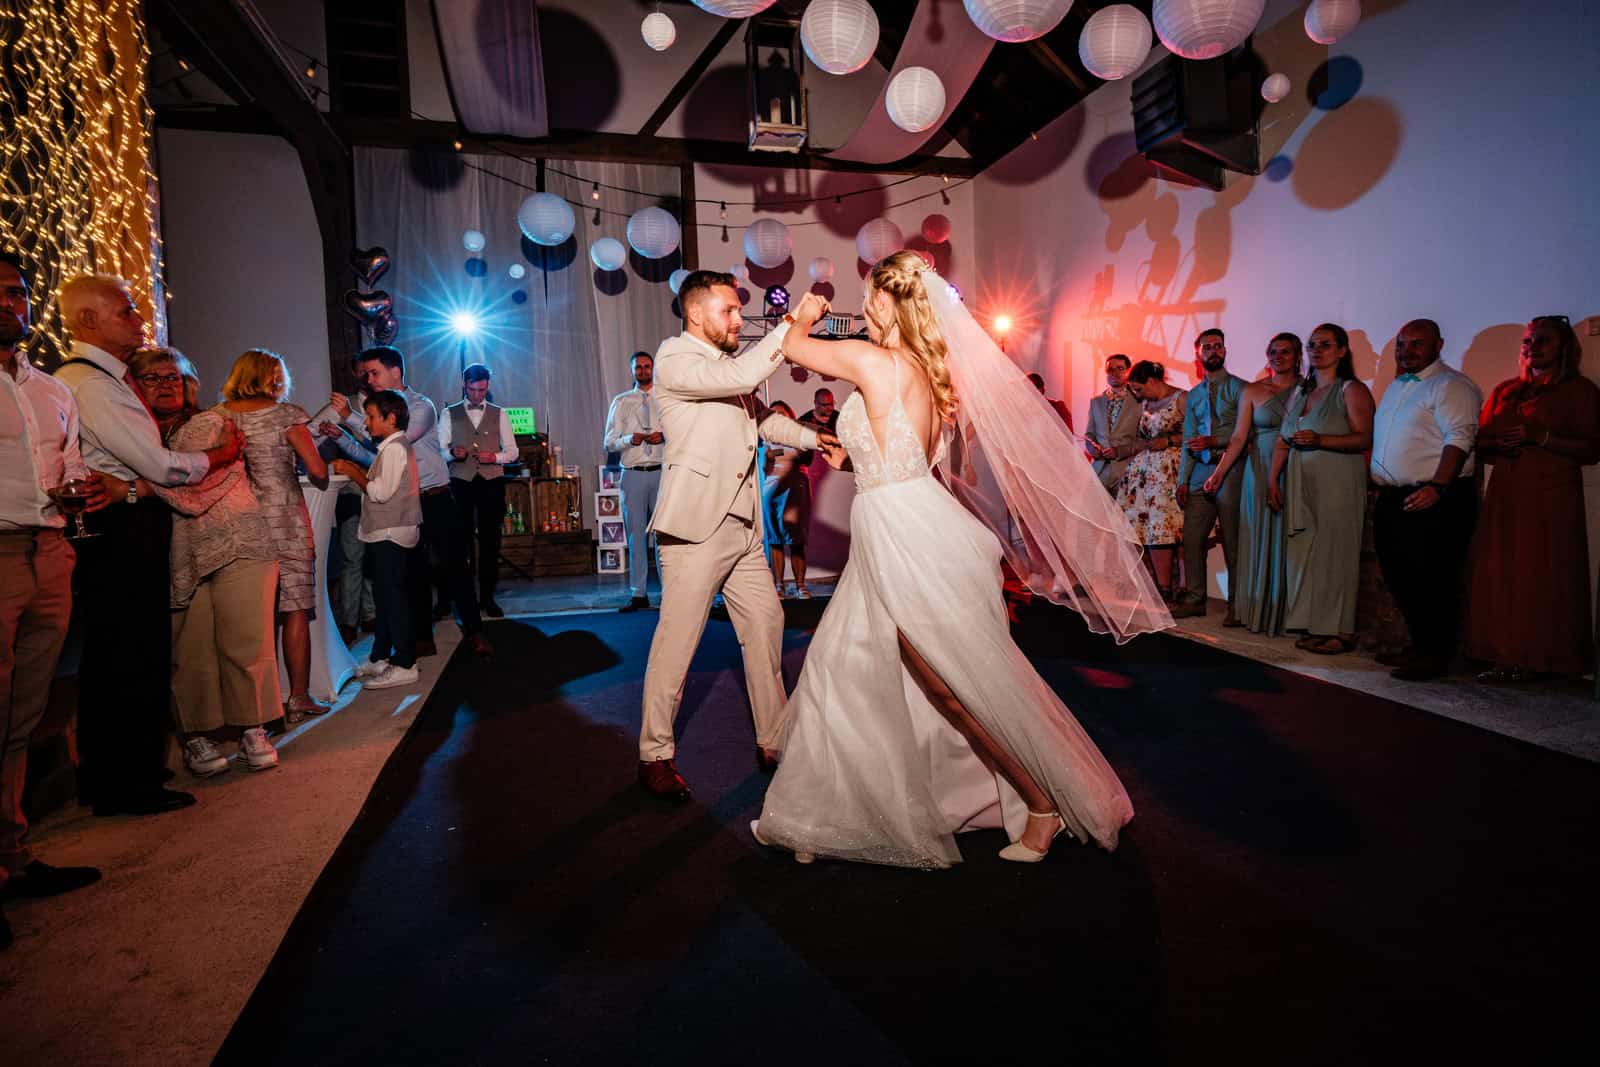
x,y
77,192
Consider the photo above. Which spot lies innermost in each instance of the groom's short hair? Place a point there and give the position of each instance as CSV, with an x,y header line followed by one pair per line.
x,y
700,282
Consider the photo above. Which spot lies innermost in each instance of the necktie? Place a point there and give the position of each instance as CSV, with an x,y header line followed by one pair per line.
x,y
649,421
1408,378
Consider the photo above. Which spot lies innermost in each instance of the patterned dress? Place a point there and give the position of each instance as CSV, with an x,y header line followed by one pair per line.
x,y
1149,493
269,460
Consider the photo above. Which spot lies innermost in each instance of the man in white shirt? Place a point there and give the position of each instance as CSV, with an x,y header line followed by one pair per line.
x,y
124,578
38,452
634,430
475,435
1423,435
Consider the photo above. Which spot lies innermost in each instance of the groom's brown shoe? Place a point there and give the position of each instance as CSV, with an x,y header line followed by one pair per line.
x,y
766,759
660,778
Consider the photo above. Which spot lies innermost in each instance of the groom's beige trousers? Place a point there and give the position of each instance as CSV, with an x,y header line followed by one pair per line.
x,y
731,559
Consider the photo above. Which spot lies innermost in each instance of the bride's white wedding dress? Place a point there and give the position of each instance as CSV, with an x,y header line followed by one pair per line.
x,y
871,771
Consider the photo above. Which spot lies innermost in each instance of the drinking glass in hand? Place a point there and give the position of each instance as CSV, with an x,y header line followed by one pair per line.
x,y
72,497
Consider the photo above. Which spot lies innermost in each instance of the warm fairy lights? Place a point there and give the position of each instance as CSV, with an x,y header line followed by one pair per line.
x,y
79,195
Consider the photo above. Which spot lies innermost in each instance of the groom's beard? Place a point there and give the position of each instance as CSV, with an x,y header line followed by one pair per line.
x,y
727,341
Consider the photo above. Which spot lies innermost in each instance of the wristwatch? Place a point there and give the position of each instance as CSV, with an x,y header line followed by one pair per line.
x,y
133,491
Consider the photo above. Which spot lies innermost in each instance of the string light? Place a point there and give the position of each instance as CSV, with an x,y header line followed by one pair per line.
x,y
724,209
595,194
311,69
183,64
458,145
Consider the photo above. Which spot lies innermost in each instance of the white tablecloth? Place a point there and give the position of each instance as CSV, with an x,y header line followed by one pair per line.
x,y
331,663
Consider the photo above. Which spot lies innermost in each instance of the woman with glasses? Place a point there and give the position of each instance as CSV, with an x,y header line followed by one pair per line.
x,y
169,384
1149,492
1327,429
1529,613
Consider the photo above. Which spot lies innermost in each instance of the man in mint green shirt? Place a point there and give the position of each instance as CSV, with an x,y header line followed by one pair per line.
x,y
1209,416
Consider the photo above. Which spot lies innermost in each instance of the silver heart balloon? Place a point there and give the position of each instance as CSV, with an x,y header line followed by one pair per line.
x,y
370,264
386,328
366,308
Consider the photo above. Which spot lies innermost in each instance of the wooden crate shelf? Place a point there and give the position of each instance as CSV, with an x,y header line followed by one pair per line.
x,y
544,555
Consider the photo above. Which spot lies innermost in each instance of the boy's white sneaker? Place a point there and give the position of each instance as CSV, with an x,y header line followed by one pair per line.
x,y
370,669
393,677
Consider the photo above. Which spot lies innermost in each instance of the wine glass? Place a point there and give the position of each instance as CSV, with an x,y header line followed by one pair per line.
x,y
72,497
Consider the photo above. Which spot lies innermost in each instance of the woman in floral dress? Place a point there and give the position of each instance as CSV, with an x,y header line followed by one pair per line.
x,y
1149,492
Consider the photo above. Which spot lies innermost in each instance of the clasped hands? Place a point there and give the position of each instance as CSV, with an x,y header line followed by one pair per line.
x,y
654,438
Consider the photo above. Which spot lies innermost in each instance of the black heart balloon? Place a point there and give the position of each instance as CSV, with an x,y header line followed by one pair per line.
x,y
367,308
370,264
386,328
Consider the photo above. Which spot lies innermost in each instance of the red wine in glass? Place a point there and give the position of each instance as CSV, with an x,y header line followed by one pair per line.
x,y
72,497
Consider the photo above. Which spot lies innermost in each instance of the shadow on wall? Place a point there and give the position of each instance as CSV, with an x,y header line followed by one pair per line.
x,y
1055,143
1346,154
1494,354
581,76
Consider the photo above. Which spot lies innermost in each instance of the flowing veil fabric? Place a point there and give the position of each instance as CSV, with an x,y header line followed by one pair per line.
x,y
1067,539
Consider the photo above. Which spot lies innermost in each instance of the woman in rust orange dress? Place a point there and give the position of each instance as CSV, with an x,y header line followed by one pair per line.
x,y
1531,600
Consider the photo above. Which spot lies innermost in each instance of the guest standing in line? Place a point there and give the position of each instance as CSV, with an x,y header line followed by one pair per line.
x,y
786,504
1113,425
1210,415
1258,586
633,430
1327,426
1423,436
476,434
1058,406
1530,603
1149,493
124,575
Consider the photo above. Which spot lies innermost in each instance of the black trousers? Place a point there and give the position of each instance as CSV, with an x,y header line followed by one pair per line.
x,y
394,630
123,594
1423,556
481,503
441,533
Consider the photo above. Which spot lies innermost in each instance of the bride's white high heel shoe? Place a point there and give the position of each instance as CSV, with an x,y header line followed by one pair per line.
x,y
1017,852
755,831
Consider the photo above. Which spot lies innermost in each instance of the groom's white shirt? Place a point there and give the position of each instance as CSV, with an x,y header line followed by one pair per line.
x,y
712,425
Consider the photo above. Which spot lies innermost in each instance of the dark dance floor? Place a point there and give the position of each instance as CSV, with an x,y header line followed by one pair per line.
x,y
1313,876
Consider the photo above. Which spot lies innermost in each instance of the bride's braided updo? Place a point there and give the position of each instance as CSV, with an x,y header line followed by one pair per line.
x,y
900,275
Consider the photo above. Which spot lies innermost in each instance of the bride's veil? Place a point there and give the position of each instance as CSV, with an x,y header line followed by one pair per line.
x,y
1014,464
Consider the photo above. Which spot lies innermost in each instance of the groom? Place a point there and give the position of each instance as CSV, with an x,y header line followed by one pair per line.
x,y
707,520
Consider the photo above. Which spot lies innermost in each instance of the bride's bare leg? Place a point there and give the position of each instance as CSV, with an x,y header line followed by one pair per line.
x,y
1039,832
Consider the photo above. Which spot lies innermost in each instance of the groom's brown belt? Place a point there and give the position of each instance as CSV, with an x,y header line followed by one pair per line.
x,y
646,467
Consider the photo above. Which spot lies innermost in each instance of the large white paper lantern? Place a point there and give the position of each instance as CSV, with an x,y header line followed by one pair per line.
x,y
1205,29
767,243
936,228
1016,20
839,35
1275,88
473,241
653,232
658,31
546,219
877,239
675,280
915,99
1329,20
1114,41
608,254
733,9
820,269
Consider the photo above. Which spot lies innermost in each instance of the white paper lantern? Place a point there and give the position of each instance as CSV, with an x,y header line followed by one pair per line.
x,y
675,280
877,239
1275,88
516,270
767,243
1016,20
658,31
915,99
1115,41
733,9
1329,20
1205,29
936,228
740,272
608,254
839,35
653,232
546,219
473,241
820,269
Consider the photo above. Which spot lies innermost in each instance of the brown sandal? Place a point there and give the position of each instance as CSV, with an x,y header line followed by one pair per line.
x,y
1332,646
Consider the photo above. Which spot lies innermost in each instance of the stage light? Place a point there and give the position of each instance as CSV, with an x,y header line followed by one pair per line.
x,y
1002,324
778,297
464,323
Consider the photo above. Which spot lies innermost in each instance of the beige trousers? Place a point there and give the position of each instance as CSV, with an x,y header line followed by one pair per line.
x,y
732,560
224,663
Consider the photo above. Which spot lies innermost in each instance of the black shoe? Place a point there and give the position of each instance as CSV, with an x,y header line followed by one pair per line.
x,y
149,802
39,879
638,603
660,778
492,609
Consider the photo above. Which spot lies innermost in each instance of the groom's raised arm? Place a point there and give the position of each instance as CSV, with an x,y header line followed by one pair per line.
x,y
688,372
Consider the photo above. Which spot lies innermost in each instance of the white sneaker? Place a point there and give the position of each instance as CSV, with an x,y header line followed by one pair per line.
x,y
256,751
802,593
203,758
370,669
393,677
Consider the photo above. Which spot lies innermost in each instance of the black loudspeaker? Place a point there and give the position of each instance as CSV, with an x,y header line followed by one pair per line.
x,y
1199,118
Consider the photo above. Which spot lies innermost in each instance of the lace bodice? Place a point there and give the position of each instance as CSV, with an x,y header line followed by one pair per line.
x,y
902,458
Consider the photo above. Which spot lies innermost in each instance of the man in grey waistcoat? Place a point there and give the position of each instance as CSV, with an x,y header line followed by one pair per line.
x,y
476,436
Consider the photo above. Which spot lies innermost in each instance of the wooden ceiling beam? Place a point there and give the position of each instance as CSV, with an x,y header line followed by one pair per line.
x,y
697,69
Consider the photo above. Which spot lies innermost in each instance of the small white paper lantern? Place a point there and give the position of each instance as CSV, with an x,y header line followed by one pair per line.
x,y
740,272
653,232
1205,29
1275,88
608,254
839,35
915,99
1115,41
516,270
1329,20
1016,20
675,280
658,31
733,9
767,243
820,269
936,228
877,239
546,219
473,241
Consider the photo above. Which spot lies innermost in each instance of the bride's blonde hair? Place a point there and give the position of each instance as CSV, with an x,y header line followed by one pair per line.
x,y
900,275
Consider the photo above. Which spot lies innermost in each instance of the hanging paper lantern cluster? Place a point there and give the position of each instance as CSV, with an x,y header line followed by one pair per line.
x,y
653,232
1114,42
608,254
675,280
839,35
877,239
915,99
1275,88
546,219
767,243
1016,20
658,31
820,269
1205,29
1329,20
936,229
473,241
733,9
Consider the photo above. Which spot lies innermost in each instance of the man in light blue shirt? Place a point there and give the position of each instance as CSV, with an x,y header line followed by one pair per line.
x,y
1209,415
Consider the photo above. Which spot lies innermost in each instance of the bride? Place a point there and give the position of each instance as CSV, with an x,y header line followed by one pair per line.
x,y
886,765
